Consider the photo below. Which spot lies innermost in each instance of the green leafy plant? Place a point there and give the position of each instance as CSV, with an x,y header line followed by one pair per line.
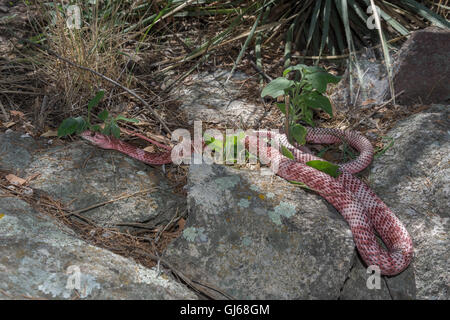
x,y
302,96
79,124
229,145
305,94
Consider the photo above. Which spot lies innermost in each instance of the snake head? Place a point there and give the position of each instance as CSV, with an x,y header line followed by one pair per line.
x,y
96,138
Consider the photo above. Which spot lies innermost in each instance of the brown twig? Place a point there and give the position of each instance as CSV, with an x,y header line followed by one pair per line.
x,y
107,202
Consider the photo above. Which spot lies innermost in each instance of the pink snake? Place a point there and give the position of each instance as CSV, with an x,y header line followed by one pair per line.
x,y
358,204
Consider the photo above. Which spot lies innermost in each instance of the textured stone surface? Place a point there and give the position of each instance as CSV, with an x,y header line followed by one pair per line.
x,y
260,237
206,97
422,69
248,234
413,178
41,259
82,175
16,151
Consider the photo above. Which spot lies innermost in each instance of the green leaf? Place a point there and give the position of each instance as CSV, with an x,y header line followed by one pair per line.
x,y
298,67
103,115
325,166
68,126
288,154
107,129
213,143
96,100
317,101
320,80
96,127
308,117
299,133
115,130
120,117
71,126
301,184
277,87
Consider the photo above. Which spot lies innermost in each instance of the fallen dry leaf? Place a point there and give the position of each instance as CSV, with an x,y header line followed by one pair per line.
x,y
181,223
9,124
149,149
17,113
370,101
50,133
15,180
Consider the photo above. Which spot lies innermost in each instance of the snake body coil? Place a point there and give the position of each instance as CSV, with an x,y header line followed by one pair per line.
x,y
358,204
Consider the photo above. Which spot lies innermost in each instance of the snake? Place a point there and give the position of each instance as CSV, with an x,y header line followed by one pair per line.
x,y
368,217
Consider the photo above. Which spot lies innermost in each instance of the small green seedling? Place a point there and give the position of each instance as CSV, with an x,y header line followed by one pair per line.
x,y
79,124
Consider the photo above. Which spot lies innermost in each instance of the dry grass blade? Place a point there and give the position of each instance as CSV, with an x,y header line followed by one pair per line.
x,y
387,57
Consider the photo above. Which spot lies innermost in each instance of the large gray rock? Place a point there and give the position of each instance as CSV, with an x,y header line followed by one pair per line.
x,y
413,178
42,259
260,237
16,152
421,68
82,176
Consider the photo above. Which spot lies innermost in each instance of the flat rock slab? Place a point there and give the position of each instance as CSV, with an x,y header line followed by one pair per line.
x,y
41,259
207,97
259,237
421,69
82,176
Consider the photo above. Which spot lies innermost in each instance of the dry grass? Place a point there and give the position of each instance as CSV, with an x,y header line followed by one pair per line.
x,y
98,45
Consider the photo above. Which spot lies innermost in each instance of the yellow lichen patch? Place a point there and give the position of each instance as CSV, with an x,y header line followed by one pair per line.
x,y
261,196
249,197
165,277
1,215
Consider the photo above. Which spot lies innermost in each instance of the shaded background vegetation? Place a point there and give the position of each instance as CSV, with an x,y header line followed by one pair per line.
x,y
151,46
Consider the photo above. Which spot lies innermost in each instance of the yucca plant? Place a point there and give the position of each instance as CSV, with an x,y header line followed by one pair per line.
x,y
334,26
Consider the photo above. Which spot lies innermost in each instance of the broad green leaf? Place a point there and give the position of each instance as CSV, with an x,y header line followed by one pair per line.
x,y
213,143
115,130
103,115
298,67
106,129
288,154
320,80
324,166
299,133
276,87
81,124
120,117
68,126
71,126
317,101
